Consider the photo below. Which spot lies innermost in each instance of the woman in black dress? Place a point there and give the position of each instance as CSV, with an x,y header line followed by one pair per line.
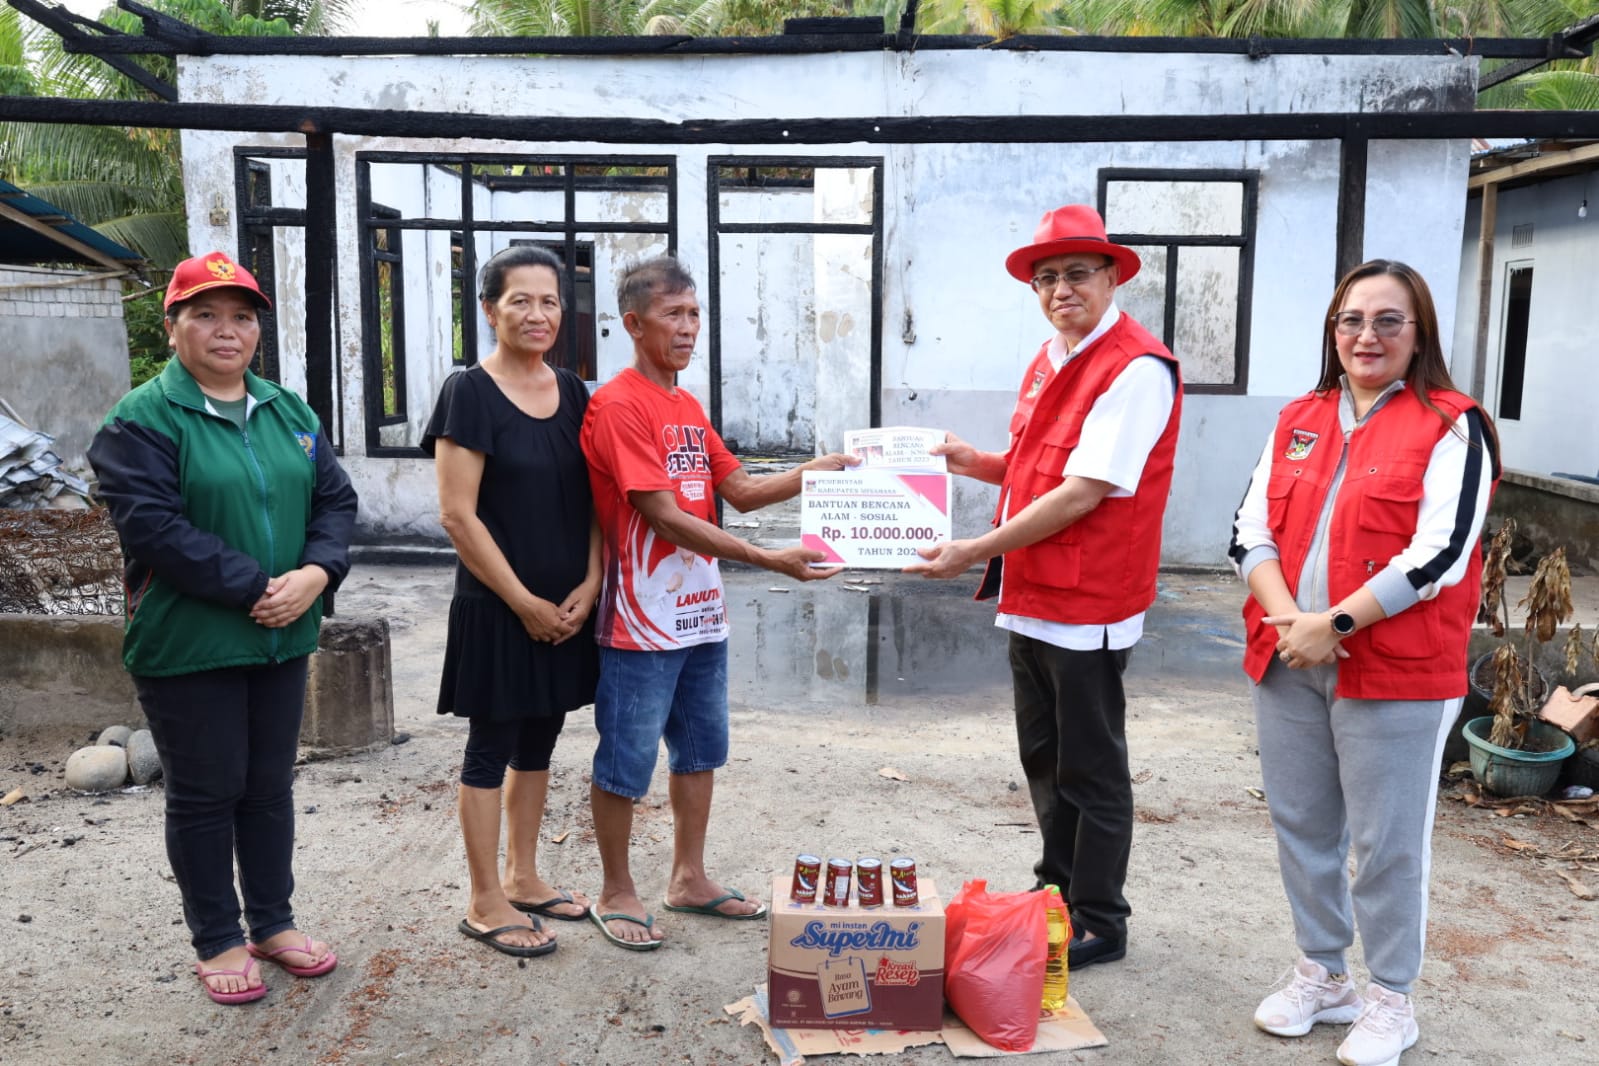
x,y
514,498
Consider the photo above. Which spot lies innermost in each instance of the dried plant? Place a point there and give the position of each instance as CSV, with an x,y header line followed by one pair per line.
x,y
1518,688
1510,726
1494,570
1548,598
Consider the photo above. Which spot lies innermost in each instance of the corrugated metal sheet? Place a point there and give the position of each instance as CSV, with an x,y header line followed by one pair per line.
x,y
20,243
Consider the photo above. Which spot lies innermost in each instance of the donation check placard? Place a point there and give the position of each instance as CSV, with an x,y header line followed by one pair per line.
x,y
873,517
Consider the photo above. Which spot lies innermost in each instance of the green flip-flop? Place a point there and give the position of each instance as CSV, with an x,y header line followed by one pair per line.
x,y
710,909
648,922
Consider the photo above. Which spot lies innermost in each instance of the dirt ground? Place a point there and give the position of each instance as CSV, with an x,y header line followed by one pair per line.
x,y
831,684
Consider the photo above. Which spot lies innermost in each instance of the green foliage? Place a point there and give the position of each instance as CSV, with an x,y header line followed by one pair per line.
x,y
15,77
127,183
1562,90
1319,18
992,18
613,18
148,350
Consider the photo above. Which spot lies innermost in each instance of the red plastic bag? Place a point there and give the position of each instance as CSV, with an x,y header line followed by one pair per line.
x,y
995,945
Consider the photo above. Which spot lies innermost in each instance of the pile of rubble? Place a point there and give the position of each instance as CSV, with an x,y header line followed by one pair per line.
x,y
31,475
59,562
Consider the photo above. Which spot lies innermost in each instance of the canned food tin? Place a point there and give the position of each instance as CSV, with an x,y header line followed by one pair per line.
x,y
807,875
836,892
902,875
869,882
807,872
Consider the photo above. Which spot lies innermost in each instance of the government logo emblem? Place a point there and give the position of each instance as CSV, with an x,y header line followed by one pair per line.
x,y
1299,444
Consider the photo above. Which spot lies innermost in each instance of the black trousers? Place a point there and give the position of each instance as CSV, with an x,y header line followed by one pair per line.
x,y
228,740
1071,727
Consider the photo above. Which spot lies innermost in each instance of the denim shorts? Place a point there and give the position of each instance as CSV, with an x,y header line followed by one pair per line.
x,y
647,696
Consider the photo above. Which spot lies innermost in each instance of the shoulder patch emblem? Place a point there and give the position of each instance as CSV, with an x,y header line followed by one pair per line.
x,y
307,444
1300,442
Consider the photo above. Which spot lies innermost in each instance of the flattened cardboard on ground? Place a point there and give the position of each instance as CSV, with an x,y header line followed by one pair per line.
x,y
791,1046
1068,1029
856,967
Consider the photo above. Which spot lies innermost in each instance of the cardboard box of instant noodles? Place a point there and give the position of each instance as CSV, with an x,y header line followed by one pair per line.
x,y
856,968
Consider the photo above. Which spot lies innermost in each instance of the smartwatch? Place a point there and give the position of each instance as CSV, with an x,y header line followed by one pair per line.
x,y
1343,623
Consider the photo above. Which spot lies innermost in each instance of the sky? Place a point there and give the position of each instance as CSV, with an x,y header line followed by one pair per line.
x,y
374,18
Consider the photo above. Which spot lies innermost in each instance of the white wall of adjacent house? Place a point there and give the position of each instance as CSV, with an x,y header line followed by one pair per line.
x,y
796,307
1539,357
64,353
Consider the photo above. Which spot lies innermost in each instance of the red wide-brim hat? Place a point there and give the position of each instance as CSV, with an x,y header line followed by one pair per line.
x,y
214,270
1067,231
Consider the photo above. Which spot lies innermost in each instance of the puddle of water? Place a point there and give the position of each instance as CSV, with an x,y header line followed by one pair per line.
x,y
822,645
906,641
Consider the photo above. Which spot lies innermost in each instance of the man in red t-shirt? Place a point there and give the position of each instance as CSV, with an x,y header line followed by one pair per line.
x,y
656,466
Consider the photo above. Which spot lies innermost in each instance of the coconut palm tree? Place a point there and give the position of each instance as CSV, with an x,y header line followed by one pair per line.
x,y
125,182
611,18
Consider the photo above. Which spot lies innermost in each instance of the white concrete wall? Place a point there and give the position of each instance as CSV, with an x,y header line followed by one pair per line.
x,y
957,330
63,353
1556,431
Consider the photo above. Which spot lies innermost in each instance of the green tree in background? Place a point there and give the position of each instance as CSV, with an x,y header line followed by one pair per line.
x,y
125,182
619,18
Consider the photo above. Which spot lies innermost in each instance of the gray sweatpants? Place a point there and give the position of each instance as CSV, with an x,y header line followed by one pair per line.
x,y
1364,772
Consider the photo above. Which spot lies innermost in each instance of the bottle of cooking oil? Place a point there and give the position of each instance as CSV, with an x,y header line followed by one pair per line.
x,y
1060,932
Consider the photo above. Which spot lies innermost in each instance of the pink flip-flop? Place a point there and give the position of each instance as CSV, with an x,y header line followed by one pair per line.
x,y
329,960
229,999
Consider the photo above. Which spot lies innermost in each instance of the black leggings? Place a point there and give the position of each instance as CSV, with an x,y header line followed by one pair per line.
x,y
523,744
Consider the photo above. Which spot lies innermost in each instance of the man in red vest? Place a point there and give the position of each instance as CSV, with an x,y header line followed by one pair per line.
x,y
1073,554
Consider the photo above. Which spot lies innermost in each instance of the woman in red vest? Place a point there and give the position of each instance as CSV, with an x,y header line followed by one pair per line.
x,y
1358,538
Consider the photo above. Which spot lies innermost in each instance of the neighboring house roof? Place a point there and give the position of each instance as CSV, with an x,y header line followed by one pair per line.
x,y
1517,162
36,231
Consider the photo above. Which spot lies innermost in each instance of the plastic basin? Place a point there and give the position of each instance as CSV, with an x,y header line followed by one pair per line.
x,y
1516,773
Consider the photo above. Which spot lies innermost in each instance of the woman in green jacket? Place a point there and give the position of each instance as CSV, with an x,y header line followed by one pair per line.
x,y
235,520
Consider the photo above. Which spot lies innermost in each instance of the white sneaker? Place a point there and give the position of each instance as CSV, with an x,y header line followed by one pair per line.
x,y
1311,995
1385,1029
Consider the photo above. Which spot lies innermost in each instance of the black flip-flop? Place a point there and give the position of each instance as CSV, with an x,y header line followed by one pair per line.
x,y
491,937
544,909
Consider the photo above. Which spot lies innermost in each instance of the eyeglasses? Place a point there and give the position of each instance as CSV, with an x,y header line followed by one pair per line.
x,y
1353,323
1074,277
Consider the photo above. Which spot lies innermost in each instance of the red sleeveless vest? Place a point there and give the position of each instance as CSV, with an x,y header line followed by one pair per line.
x,y
1101,568
1420,653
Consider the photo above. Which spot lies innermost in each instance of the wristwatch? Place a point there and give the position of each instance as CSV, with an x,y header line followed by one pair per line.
x,y
1343,623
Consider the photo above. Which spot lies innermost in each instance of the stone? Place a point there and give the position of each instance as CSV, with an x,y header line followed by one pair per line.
x,y
144,765
116,735
97,769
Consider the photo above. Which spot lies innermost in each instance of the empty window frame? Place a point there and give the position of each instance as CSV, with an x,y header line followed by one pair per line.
x,y
774,202
388,279
264,225
463,207
1513,345
575,347
1195,232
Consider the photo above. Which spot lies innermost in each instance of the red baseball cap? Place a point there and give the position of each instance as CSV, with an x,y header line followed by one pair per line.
x,y
214,270
1066,231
